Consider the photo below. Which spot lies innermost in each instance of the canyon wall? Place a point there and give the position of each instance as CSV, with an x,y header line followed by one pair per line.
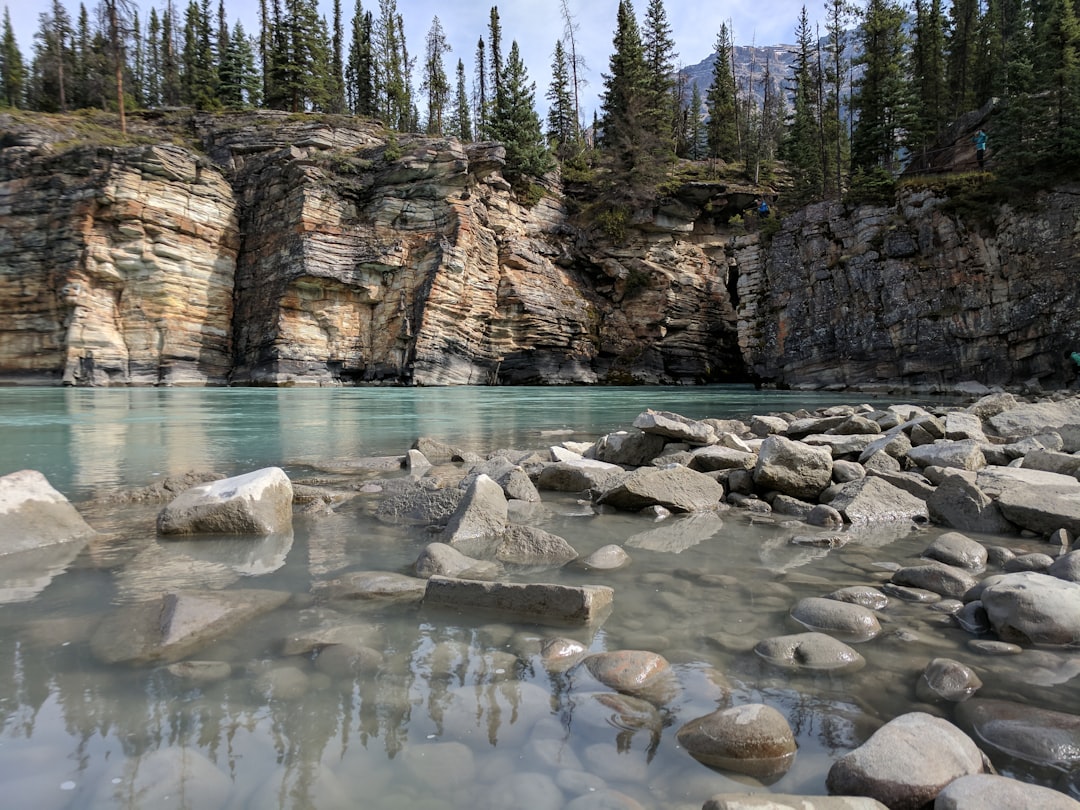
x,y
268,249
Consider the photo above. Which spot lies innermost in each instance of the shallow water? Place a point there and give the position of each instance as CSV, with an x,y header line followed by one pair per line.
x,y
460,711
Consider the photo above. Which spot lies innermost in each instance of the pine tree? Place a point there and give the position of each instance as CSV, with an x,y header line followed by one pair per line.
x,y
721,131
390,68
576,62
881,97
927,70
436,83
517,126
359,76
562,118
495,59
696,140
138,62
11,66
52,60
801,146
200,80
152,88
961,52
1056,32
834,130
480,94
659,53
460,119
335,83
171,83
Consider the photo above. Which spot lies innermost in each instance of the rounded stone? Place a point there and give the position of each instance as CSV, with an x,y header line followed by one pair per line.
x,y
868,597
848,621
980,791
634,672
954,548
946,679
606,558
811,651
752,739
1039,736
906,762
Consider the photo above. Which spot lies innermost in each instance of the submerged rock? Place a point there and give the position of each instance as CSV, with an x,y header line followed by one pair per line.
x,y
982,791
1039,736
810,651
753,739
542,602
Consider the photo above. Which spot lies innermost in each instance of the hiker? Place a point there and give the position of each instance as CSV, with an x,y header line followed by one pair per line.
x,y
762,208
979,139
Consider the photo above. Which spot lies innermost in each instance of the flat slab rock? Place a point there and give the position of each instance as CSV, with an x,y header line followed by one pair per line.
x,y
176,624
542,602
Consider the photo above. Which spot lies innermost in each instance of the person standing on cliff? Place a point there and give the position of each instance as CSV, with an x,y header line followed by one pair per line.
x,y
979,139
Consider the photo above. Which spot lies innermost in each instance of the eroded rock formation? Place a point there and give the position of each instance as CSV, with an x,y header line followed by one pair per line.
x,y
269,249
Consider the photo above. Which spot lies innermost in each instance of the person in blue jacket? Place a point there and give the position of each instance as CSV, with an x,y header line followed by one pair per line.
x,y
762,207
979,139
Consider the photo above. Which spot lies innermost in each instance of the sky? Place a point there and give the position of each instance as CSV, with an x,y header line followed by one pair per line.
x,y
535,24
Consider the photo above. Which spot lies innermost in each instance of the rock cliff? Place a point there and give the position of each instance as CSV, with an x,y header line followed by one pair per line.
x,y
270,249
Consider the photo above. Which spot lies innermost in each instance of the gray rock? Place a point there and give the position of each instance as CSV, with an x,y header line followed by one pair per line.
x,y
907,762
1050,461
753,739
856,425
33,516
792,507
417,503
1028,562
1033,608
606,558
786,801
870,598
440,559
631,449
767,425
258,502
1030,419
543,603
808,425
810,651
416,462
840,445
826,516
1042,509
880,462
513,479
873,500
437,452
1039,736
843,619
676,488
945,679
349,660
937,577
716,457
962,455
200,672
308,641
175,625
894,443
1066,567
528,545
845,471
793,468
981,791
953,548
961,425
910,482
960,504
579,475
674,426
161,778
481,515
992,404
972,618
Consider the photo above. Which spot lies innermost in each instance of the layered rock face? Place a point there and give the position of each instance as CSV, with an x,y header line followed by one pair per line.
x,y
288,250
909,295
116,266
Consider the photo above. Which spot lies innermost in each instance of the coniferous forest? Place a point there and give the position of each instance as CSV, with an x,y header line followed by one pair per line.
x,y
868,89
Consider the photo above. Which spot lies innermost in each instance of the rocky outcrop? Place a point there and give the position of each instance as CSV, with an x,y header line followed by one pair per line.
x,y
912,294
269,249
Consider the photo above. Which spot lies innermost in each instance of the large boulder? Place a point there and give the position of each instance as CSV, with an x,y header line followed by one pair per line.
x,y
676,488
480,518
513,479
528,545
1030,419
34,515
959,504
963,455
1029,607
176,624
793,468
937,577
1042,509
753,739
631,449
873,500
907,762
953,548
258,502
577,475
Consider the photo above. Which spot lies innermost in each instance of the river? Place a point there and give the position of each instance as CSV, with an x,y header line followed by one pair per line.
x,y
454,711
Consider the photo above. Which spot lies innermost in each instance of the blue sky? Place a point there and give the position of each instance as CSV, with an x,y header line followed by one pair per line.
x,y
535,24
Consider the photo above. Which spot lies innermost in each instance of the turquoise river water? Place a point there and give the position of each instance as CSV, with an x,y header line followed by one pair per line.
x,y
454,711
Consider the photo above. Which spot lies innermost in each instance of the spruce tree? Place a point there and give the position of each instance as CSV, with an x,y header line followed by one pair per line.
x,y
11,66
480,94
834,129
359,76
721,131
659,53
435,83
801,146
50,70
335,83
961,52
927,70
460,119
152,89
495,59
881,97
561,118
171,84
517,126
